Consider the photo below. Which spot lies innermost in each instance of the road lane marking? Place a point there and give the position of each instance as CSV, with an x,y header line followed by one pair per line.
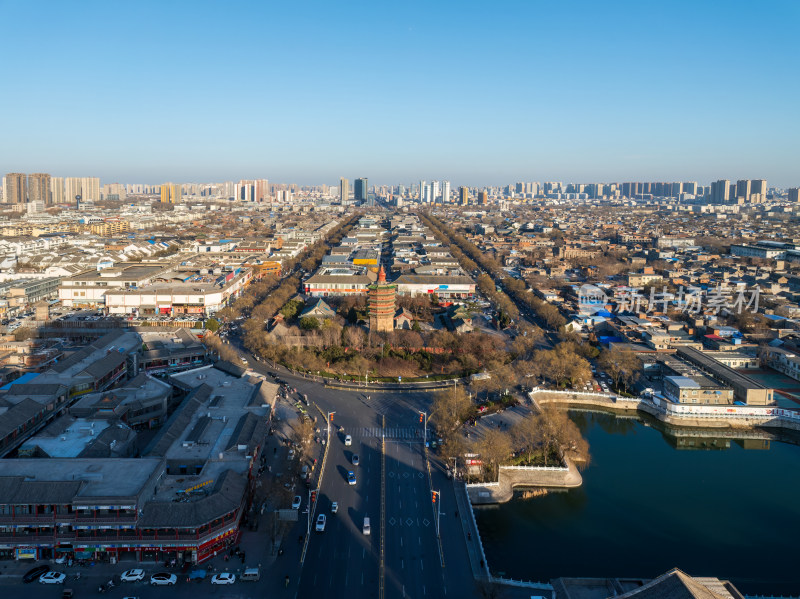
x,y
382,569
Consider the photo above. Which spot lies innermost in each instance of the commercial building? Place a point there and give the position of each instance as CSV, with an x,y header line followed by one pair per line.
x,y
177,293
183,500
746,389
339,281
446,287
26,291
344,190
360,191
463,195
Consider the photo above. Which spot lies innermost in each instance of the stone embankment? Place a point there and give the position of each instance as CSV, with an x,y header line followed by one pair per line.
x,y
523,477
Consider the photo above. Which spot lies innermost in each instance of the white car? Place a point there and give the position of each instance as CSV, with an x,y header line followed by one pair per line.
x,y
321,523
53,578
134,575
334,507
348,440
163,579
296,502
223,578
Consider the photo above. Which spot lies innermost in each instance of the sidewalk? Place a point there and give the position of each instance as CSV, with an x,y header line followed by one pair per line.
x,y
477,559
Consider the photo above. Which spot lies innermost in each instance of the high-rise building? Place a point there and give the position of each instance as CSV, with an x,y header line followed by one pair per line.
x,y
759,188
171,193
463,195
434,191
114,192
344,190
16,188
422,191
90,188
246,190
72,189
57,190
262,190
743,189
720,191
794,194
360,191
445,192
39,188
483,197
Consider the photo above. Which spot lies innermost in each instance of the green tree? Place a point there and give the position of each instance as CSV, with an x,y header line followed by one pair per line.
x,y
212,324
309,323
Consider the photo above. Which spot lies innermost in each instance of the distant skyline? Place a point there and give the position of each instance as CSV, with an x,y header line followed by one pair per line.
x,y
474,93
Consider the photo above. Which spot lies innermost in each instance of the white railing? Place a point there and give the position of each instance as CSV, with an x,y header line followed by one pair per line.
x,y
542,586
479,485
537,468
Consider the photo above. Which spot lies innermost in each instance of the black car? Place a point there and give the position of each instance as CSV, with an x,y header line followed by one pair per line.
x,y
35,573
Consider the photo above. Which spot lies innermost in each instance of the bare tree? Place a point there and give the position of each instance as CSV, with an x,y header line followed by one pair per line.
x,y
449,409
495,448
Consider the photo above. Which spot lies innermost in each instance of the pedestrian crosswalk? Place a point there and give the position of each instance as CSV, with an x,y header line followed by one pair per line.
x,y
408,433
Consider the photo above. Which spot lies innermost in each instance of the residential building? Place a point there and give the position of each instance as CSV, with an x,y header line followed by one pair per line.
x,y
39,188
171,193
15,188
344,190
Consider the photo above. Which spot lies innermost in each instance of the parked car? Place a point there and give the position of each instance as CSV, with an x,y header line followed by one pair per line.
x,y
35,573
223,578
134,575
163,579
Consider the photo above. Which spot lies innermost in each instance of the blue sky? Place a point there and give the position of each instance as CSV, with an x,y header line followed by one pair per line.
x,y
480,93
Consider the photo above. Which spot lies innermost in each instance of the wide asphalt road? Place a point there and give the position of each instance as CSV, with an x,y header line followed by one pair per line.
x,y
386,434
